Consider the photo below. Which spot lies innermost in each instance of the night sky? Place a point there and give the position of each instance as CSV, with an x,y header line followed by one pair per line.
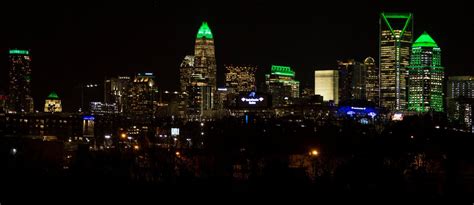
x,y
81,41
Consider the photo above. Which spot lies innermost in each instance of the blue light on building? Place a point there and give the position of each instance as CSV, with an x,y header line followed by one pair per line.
x,y
88,117
353,111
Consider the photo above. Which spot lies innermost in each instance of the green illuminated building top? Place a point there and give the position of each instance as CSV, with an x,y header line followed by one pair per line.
x,y
204,31
386,16
394,15
19,52
425,40
282,70
395,41
281,84
426,76
53,95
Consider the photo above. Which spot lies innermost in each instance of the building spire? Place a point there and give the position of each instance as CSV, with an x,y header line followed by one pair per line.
x,y
204,31
53,95
425,40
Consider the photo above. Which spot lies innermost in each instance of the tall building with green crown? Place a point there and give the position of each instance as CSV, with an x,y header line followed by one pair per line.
x,y
395,39
205,58
426,76
281,84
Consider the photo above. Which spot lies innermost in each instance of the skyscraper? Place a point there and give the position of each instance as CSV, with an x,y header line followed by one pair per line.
x,y
460,86
346,69
372,83
143,94
352,80
460,99
395,39
326,84
204,57
198,97
186,70
281,84
117,92
426,76
19,88
240,78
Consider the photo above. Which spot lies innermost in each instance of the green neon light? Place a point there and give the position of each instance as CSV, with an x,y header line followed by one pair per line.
x,y
204,31
422,89
53,95
388,24
422,66
425,40
282,70
20,52
396,15
406,25
283,74
387,16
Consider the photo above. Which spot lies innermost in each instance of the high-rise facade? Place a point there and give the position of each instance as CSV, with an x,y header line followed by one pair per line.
x,y
281,84
460,99
198,76
372,86
19,86
426,76
395,39
460,86
186,70
99,108
199,98
240,78
117,91
205,58
352,80
346,69
143,94
326,84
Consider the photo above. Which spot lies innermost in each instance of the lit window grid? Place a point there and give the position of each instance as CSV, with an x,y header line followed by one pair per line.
x,y
425,80
240,78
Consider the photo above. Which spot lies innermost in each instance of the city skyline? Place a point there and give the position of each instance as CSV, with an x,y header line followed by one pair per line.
x,y
356,99
105,60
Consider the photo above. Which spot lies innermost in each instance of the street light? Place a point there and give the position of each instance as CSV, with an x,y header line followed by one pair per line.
x,y
314,152
314,159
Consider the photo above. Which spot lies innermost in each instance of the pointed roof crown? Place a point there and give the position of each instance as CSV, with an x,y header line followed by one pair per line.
x,y
282,70
204,31
425,40
53,95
